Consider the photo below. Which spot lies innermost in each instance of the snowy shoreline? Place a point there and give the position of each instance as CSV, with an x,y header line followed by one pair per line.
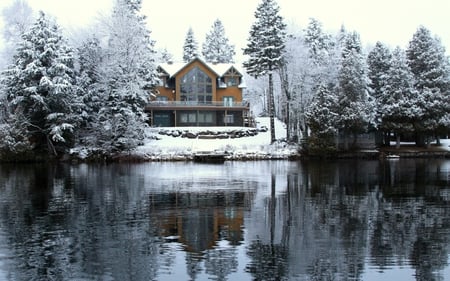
x,y
241,144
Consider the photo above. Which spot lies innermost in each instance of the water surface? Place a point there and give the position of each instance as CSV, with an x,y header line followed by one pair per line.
x,y
268,220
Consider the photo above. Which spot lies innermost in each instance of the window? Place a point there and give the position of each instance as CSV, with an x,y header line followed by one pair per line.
x,y
232,77
232,81
205,117
228,119
188,117
196,86
227,101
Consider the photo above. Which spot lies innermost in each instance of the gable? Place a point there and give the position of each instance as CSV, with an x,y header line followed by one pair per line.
x,y
213,70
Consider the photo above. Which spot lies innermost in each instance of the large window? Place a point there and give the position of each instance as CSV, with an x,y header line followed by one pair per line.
x,y
196,87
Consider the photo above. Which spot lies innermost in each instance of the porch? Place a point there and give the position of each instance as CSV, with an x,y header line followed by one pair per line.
x,y
191,113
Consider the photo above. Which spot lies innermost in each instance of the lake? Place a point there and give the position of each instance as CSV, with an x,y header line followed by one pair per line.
x,y
262,220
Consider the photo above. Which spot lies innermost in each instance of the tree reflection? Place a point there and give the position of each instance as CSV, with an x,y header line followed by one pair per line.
x,y
294,221
269,260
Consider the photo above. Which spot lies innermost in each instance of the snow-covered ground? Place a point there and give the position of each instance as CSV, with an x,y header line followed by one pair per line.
x,y
445,144
167,147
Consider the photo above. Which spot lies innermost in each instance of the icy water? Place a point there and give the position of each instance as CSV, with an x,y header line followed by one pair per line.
x,y
334,220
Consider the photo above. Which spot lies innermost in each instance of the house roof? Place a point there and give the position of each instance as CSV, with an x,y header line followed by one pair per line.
x,y
220,69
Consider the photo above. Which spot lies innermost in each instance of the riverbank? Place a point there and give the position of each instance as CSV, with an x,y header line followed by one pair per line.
x,y
239,143
235,143
242,143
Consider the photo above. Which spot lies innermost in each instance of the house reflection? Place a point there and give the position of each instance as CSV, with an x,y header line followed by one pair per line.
x,y
199,220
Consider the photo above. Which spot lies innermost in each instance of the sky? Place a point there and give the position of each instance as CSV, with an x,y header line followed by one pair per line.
x,y
392,22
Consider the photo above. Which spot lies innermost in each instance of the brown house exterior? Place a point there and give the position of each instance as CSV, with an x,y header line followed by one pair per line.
x,y
199,94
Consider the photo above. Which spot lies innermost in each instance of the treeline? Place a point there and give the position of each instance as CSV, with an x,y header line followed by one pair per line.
x,y
331,90
337,90
55,96
90,94
391,91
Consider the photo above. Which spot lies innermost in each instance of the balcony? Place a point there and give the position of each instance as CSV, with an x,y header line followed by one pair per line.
x,y
217,105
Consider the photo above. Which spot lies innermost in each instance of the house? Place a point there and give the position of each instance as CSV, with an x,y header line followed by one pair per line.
x,y
199,94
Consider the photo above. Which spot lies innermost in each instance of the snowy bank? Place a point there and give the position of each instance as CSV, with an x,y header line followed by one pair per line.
x,y
238,143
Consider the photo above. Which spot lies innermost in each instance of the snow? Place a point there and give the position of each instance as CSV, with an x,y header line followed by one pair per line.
x,y
167,147
445,144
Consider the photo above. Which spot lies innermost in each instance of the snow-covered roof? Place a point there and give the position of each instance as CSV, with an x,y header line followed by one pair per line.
x,y
220,69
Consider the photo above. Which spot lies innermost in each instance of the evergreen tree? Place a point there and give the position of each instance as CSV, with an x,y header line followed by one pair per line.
x,y
265,48
321,118
319,43
216,48
190,47
430,67
379,63
165,56
396,98
90,58
40,88
354,102
127,75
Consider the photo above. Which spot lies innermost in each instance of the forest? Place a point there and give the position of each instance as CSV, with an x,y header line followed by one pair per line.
x,y
57,93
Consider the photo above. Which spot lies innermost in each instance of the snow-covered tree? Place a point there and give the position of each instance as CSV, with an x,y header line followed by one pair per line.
x,y
190,47
90,58
217,48
321,117
265,48
379,62
17,19
428,62
40,88
396,97
430,67
309,61
318,42
127,76
165,56
354,104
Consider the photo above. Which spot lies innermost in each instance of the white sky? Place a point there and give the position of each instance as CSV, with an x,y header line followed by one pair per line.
x,y
390,21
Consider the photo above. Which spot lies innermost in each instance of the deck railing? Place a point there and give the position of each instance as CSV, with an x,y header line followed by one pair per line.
x,y
197,104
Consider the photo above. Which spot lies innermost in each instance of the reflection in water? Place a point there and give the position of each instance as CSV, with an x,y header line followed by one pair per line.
x,y
341,220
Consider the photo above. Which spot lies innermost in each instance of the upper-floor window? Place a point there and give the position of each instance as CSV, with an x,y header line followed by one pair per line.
x,y
232,81
232,77
196,86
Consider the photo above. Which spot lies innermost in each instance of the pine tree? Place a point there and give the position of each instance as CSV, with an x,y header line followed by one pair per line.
x,y
319,43
128,74
430,67
396,98
40,88
265,48
190,47
216,48
165,56
354,102
379,63
90,58
321,118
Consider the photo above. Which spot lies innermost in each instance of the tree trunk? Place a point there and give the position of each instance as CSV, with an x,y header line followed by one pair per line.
x,y
397,143
271,108
387,138
288,121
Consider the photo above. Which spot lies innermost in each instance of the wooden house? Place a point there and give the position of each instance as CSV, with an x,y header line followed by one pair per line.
x,y
199,94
